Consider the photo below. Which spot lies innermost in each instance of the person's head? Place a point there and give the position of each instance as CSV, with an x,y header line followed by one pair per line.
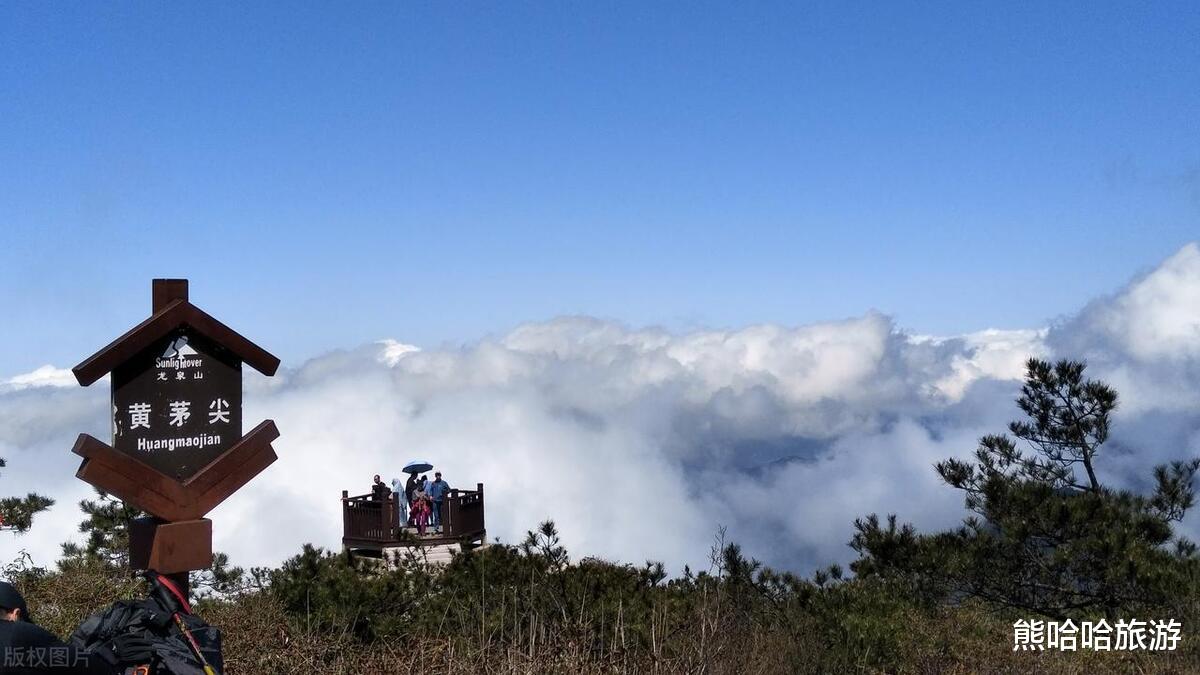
x,y
437,476
424,477
12,605
377,479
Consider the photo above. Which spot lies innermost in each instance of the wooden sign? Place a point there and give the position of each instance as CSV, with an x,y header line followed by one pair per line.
x,y
177,448
177,405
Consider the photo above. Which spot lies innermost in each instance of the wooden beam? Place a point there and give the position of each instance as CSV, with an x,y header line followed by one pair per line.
x,y
128,345
233,469
132,481
128,479
251,354
170,548
214,471
174,311
165,291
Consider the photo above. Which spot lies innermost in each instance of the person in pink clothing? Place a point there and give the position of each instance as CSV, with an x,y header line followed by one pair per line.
x,y
420,510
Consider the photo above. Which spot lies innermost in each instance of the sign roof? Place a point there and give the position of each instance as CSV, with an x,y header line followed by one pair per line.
x,y
166,318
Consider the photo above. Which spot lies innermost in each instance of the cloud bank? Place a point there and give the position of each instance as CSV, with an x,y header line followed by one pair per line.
x,y
639,443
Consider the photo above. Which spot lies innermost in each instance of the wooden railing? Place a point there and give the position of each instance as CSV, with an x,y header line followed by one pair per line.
x,y
371,522
368,520
462,513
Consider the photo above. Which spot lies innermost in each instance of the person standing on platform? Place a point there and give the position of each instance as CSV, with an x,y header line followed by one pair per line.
x,y
379,490
401,502
438,490
420,510
410,489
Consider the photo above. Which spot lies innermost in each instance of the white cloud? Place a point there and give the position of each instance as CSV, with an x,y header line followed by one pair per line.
x,y
994,354
46,376
1156,317
640,442
1144,339
393,351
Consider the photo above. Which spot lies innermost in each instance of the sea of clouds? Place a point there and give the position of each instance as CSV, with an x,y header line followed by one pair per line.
x,y
640,443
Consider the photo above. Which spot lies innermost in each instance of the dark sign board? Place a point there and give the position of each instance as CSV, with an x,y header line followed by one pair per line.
x,y
177,405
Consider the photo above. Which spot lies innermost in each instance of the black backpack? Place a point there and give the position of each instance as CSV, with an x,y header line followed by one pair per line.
x,y
157,619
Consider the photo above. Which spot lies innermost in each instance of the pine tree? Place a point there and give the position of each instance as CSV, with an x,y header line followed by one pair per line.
x,y
16,513
107,530
1046,535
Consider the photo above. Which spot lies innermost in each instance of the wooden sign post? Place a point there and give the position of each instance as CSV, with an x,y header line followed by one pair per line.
x,y
177,444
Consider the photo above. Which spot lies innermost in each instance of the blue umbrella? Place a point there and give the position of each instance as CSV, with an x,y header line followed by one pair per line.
x,y
417,467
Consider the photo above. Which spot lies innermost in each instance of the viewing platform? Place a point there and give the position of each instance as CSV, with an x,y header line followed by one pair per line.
x,y
371,526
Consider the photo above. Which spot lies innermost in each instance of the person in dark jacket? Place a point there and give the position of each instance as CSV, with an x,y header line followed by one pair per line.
x,y
379,490
26,648
409,488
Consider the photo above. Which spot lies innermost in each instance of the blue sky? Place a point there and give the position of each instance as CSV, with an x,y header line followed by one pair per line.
x,y
329,175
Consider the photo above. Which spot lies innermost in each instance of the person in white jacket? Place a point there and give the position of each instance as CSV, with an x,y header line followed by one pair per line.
x,y
401,502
